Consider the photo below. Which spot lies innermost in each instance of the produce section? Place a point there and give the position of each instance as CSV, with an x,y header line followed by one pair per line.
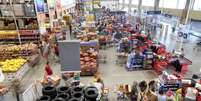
x,y
14,51
89,57
87,37
12,65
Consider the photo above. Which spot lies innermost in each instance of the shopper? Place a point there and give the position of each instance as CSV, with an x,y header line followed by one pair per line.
x,y
182,53
161,96
46,49
191,94
48,69
100,86
134,91
143,90
56,49
130,57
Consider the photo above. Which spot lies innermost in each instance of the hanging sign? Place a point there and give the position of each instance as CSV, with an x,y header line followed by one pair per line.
x,y
52,4
40,5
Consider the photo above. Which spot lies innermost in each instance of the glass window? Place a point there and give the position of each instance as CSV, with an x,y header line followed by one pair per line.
x,y
127,1
148,2
125,9
197,5
181,4
120,1
168,4
135,2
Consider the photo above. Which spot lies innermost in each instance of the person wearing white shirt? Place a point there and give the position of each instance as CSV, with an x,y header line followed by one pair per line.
x,y
100,86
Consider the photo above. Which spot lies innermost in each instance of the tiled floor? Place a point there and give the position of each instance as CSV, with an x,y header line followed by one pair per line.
x,y
114,74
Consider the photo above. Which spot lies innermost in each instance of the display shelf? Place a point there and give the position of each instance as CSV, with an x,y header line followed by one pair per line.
x,y
19,74
18,15
89,57
14,51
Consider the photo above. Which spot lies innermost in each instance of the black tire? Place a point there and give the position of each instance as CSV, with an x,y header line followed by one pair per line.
x,y
74,99
65,96
77,89
44,98
63,89
59,99
91,93
78,95
49,91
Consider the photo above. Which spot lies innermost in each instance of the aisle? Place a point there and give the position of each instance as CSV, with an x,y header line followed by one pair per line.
x,y
114,74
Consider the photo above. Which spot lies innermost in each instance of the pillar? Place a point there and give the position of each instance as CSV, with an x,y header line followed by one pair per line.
x,y
139,7
156,5
129,6
186,11
123,4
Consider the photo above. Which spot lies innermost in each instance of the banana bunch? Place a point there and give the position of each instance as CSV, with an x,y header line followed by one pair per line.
x,y
12,65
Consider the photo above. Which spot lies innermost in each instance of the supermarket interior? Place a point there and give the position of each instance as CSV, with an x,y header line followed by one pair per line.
x,y
100,50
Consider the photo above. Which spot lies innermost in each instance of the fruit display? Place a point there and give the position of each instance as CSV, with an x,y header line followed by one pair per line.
x,y
12,65
13,51
88,61
26,36
87,37
8,34
89,58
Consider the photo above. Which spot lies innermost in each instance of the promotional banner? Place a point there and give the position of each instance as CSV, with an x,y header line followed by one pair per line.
x,y
40,5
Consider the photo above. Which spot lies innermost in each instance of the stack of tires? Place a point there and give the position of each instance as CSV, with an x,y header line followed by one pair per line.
x,y
76,93
91,93
49,91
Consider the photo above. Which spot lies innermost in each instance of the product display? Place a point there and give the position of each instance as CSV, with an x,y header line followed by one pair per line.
x,y
89,57
78,93
87,37
12,65
14,51
18,9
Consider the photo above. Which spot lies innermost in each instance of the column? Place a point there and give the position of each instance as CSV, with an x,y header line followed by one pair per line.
x,y
139,7
123,4
156,5
185,12
129,6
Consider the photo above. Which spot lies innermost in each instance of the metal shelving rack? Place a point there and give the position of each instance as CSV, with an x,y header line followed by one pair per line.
x,y
22,38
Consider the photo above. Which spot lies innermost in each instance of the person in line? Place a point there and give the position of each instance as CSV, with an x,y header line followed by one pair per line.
x,y
134,91
151,91
130,57
161,96
143,91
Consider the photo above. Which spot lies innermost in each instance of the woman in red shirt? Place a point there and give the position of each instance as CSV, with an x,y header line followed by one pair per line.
x,y
48,69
